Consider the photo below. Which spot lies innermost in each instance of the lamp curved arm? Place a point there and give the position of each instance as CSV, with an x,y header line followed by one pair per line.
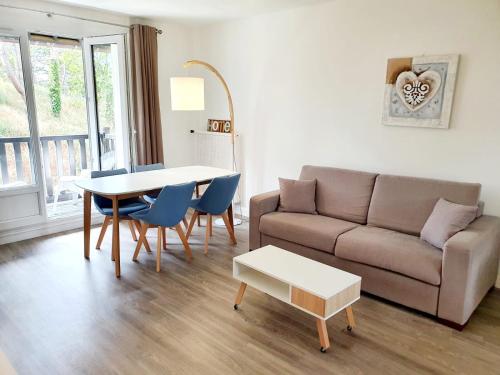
x,y
189,63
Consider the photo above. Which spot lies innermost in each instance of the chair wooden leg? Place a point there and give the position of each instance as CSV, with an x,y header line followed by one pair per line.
x,y
191,224
142,237
186,224
183,238
132,230
107,220
209,225
197,196
146,244
164,237
158,249
229,227
207,234
138,225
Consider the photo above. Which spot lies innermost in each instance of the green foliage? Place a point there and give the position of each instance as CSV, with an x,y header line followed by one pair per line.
x,y
59,92
104,86
3,97
72,63
55,89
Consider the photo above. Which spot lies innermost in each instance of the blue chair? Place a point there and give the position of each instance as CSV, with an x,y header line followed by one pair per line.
x,y
215,202
166,212
150,198
105,206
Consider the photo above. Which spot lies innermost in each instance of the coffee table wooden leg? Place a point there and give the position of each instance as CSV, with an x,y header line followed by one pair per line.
x,y
323,334
351,323
239,296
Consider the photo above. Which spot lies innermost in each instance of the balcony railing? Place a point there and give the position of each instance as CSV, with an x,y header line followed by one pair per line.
x,y
62,155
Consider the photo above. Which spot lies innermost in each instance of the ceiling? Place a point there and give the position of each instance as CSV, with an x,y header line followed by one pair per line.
x,y
190,10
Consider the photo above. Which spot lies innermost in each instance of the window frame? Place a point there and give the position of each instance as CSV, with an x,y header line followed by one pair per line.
x,y
37,185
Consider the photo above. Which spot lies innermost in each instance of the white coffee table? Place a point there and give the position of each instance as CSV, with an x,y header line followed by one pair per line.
x,y
313,287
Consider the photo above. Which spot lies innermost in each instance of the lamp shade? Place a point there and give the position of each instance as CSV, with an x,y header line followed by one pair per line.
x,y
187,93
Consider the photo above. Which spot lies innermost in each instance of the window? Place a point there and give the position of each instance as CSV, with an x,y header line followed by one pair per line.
x,y
59,85
16,162
63,112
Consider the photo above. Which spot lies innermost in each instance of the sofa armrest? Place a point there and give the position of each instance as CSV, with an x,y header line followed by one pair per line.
x,y
470,266
260,205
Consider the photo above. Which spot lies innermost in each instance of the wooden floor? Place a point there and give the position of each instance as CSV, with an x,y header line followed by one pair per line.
x,y
61,314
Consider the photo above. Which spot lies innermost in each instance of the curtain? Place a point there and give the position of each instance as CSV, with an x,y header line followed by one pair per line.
x,y
145,97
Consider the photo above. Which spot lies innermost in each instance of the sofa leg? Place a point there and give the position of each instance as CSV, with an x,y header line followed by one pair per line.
x,y
449,323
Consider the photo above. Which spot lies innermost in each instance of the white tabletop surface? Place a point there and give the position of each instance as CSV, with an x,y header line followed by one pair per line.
x,y
304,273
150,180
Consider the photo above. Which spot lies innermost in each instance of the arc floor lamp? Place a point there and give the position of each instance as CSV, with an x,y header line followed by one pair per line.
x,y
188,94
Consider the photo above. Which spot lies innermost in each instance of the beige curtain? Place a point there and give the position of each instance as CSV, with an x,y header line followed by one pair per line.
x,y
145,98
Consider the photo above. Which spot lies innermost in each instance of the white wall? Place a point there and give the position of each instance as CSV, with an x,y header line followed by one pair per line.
x,y
308,87
175,46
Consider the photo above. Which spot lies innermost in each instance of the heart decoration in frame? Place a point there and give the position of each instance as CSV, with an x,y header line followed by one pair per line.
x,y
419,91
416,91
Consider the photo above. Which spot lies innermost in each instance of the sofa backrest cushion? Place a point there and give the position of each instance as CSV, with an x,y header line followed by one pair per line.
x,y
405,203
341,193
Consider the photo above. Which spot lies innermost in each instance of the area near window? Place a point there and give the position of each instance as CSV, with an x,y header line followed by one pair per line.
x,y
75,103
59,85
15,138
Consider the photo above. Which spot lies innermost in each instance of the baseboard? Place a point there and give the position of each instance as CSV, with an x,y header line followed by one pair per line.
x,y
45,228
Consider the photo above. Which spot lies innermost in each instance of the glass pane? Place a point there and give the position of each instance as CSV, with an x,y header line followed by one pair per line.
x,y
16,164
107,88
59,84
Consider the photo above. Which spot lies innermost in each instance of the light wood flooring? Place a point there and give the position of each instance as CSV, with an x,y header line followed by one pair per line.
x,y
61,314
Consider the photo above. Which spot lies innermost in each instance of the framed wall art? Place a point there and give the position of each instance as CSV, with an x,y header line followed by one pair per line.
x,y
419,91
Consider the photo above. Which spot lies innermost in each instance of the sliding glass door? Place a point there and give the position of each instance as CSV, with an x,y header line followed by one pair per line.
x,y
59,86
16,158
108,101
21,184
63,112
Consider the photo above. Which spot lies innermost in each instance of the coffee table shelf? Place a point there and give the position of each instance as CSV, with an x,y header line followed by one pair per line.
x,y
275,288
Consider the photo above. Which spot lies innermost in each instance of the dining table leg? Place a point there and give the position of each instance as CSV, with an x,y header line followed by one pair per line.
x,y
87,196
116,236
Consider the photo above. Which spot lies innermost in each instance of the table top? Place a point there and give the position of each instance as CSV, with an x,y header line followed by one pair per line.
x,y
150,180
304,273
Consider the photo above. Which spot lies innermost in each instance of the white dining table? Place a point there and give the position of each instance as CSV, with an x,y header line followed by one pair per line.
x,y
132,185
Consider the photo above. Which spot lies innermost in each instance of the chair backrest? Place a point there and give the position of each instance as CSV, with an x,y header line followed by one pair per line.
x,y
171,205
101,201
219,194
148,167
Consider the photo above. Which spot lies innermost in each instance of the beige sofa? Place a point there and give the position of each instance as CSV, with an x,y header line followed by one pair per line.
x,y
369,224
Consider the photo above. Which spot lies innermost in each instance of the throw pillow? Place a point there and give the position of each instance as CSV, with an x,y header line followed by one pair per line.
x,y
446,219
297,196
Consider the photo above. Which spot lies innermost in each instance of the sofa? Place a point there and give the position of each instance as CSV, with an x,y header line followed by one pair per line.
x,y
369,224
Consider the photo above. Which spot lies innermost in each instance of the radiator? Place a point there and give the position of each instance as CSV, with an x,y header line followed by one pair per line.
x,y
213,149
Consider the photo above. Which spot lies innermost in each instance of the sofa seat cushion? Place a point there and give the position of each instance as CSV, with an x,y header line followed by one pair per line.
x,y
393,251
316,231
